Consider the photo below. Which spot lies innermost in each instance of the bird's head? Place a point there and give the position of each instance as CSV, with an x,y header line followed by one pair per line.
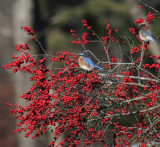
x,y
83,54
143,26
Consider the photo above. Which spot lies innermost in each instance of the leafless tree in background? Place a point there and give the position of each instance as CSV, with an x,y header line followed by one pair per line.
x,y
22,16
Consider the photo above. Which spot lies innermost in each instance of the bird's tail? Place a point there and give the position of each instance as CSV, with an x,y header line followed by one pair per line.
x,y
99,68
152,39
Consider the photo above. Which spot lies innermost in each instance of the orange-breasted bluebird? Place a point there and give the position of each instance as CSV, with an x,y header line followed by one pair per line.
x,y
86,63
145,34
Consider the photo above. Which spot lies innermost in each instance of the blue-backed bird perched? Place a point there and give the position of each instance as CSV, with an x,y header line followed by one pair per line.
x,y
145,34
86,63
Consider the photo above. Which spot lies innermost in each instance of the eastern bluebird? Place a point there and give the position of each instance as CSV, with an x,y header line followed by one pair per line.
x,y
145,34
86,63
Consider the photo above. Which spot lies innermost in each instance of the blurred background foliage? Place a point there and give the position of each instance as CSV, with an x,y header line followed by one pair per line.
x,y
52,21
61,18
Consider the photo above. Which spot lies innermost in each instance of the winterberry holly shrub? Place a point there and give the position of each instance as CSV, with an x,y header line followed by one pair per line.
x,y
122,102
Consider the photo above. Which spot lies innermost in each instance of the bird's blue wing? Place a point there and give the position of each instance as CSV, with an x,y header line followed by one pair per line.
x,y
148,33
89,62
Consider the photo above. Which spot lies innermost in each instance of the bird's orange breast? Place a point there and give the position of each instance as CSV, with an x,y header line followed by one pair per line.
x,y
83,64
142,36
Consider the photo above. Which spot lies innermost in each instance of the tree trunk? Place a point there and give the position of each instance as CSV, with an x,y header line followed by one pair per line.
x,y
22,16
